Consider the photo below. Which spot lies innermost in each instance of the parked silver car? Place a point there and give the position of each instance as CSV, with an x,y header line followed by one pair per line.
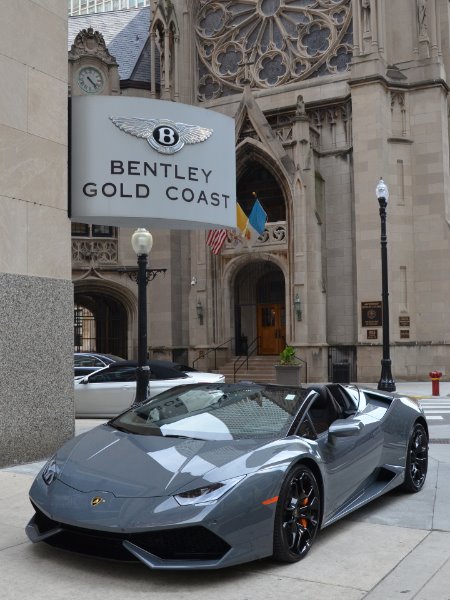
x,y
89,362
111,390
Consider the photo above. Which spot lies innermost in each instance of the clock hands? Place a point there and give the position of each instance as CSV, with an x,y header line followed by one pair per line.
x,y
89,79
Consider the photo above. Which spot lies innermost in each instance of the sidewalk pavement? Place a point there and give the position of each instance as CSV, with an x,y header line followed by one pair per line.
x,y
397,547
418,389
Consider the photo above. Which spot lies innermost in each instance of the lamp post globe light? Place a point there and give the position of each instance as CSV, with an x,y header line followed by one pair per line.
x,y
142,242
386,382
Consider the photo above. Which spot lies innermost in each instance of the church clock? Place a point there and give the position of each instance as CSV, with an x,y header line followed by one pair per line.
x,y
90,80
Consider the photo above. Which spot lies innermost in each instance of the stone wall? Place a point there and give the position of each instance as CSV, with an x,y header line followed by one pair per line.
x,y
36,403
36,296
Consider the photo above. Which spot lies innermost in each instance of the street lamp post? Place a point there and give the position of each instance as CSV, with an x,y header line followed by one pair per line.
x,y
142,242
386,382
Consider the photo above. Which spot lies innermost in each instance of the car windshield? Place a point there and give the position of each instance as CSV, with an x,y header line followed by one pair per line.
x,y
357,395
114,358
216,412
184,368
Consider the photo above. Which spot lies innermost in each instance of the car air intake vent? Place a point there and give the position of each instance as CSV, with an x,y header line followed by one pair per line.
x,y
191,543
43,523
93,543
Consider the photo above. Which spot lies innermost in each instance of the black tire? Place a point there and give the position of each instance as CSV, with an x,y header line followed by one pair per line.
x,y
297,515
416,460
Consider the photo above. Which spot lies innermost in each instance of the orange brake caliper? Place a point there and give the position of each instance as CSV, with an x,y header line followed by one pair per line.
x,y
304,522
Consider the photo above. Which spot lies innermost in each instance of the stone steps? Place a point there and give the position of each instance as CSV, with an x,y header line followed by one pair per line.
x,y
260,369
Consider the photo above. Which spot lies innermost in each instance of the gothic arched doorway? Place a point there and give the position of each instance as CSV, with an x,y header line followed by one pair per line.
x,y
260,311
100,324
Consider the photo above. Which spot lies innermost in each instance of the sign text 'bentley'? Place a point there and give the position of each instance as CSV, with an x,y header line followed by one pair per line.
x,y
142,189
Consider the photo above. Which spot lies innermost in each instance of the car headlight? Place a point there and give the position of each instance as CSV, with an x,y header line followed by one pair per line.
x,y
207,494
51,471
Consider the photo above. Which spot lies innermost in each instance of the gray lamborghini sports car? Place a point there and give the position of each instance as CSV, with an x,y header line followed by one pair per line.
x,y
211,475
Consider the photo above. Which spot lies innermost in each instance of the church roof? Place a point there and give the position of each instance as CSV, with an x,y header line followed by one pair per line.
x,y
125,33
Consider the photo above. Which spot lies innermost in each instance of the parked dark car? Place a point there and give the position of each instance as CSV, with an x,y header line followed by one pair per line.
x,y
88,362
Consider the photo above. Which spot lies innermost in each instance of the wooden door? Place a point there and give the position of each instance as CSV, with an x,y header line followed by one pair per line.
x,y
271,328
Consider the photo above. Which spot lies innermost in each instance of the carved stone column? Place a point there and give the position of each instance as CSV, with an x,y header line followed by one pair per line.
x,y
153,64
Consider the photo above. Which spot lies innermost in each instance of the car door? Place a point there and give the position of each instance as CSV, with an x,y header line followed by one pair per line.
x,y
351,460
107,392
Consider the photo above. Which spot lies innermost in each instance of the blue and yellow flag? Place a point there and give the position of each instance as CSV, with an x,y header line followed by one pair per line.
x,y
256,221
241,220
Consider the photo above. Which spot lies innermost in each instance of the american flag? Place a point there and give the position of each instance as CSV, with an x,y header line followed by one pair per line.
x,y
216,239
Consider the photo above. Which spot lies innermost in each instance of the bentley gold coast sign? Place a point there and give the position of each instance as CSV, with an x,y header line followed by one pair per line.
x,y
137,162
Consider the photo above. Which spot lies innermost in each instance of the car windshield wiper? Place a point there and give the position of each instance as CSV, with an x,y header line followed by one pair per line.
x,y
183,437
145,430
119,427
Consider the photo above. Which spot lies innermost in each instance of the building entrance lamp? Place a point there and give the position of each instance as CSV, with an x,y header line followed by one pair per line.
x,y
142,242
386,382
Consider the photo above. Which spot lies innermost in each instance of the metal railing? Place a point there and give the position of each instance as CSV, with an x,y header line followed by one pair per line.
x,y
243,358
205,354
302,360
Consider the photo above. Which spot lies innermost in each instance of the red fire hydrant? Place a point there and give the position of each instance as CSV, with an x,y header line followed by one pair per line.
x,y
435,377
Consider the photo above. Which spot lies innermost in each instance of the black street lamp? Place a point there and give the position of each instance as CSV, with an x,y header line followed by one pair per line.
x,y
142,242
386,382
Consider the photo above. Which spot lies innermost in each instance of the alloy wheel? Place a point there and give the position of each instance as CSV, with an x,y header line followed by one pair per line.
x,y
298,515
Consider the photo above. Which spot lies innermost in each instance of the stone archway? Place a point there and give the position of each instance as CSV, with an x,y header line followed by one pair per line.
x,y
102,316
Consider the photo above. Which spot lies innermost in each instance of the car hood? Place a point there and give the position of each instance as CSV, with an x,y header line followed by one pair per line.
x,y
147,466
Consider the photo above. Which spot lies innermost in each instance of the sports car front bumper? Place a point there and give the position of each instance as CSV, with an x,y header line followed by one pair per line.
x,y
156,531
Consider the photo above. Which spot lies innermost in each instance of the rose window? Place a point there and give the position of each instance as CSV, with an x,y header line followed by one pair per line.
x,y
266,43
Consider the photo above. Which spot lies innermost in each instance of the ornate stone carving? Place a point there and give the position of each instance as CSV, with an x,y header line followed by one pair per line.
x,y
91,43
300,110
333,128
422,18
280,124
265,43
398,113
275,234
365,12
96,252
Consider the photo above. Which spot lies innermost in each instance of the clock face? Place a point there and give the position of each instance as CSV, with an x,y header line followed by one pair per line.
x,y
90,80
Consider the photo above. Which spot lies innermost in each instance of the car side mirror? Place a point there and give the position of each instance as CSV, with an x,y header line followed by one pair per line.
x,y
344,429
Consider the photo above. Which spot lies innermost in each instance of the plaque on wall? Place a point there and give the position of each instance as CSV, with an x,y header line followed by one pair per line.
x,y
372,334
372,314
404,334
404,321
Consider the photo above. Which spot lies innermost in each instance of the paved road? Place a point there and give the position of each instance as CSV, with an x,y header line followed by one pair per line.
x,y
396,548
437,410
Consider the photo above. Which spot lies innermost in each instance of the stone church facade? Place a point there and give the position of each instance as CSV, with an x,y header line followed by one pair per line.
x,y
327,96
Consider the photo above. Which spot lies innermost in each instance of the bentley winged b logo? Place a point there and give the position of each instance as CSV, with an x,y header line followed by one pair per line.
x,y
163,135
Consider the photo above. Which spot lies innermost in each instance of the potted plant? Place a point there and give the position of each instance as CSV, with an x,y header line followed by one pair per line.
x,y
288,368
